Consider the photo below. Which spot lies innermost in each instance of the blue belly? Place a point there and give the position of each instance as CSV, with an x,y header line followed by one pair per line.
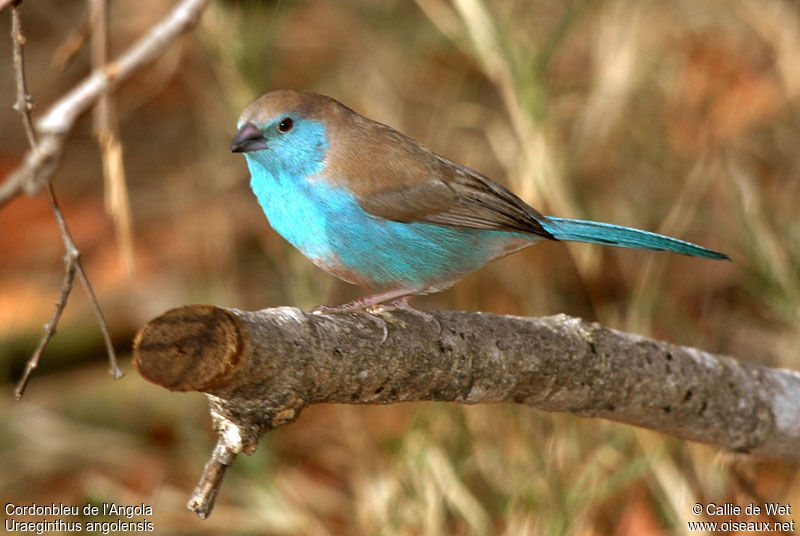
x,y
329,227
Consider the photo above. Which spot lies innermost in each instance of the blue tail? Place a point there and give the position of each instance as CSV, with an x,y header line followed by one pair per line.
x,y
625,237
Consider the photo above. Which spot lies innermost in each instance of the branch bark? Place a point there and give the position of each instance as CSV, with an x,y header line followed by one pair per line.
x,y
260,369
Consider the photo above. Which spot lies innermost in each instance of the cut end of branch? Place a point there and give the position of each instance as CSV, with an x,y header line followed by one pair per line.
x,y
191,348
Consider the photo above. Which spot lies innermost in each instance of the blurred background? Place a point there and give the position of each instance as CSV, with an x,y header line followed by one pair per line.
x,y
678,117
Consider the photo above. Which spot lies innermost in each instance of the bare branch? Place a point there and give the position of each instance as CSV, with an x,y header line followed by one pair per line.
x,y
24,103
205,493
73,253
72,264
72,260
50,326
39,164
62,115
260,369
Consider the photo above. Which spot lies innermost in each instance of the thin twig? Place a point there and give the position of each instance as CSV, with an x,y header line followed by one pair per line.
x,y
72,251
50,327
39,164
72,262
205,493
43,155
24,103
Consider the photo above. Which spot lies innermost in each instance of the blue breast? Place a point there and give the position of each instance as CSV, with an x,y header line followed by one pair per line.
x,y
329,227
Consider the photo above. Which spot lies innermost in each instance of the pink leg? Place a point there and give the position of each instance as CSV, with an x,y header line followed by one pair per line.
x,y
368,303
374,305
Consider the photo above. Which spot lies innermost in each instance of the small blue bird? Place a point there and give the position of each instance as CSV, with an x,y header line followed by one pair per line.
x,y
377,209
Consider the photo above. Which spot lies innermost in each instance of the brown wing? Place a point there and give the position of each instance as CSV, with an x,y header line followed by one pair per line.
x,y
460,198
395,177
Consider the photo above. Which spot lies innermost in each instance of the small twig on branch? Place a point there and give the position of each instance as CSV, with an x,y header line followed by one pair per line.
x,y
72,265
24,102
73,253
260,369
40,162
72,262
205,493
50,327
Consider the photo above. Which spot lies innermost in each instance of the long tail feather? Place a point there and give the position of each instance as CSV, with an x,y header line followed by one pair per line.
x,y
625,237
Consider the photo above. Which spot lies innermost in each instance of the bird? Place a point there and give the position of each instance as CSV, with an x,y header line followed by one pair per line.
x,y
377,209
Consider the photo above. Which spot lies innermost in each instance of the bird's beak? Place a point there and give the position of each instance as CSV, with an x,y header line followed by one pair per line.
x,y
249,138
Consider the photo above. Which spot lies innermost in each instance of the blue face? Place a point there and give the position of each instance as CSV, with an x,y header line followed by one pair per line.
x,y
294,146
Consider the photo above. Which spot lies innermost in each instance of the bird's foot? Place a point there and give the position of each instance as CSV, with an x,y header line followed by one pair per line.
x,y
354,307
325,310
380,311
404,304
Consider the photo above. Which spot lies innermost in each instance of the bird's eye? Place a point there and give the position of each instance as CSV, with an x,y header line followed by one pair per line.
x,y
286,124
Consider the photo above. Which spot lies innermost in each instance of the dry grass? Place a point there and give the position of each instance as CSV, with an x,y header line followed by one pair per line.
x,y
677,117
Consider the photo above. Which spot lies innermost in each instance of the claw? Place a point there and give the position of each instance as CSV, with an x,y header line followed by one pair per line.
x,y
352,308
404,304
324,310
380,311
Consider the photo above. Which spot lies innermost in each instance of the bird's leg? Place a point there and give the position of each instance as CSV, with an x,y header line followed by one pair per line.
x,y
404,302
377,307
369,304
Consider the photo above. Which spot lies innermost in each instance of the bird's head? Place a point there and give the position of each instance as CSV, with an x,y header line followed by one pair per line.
x,y
287,131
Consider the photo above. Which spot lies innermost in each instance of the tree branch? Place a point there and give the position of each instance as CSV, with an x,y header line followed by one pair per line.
x,y
24,102
72,262
260,369
50,326
40,162
46,142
